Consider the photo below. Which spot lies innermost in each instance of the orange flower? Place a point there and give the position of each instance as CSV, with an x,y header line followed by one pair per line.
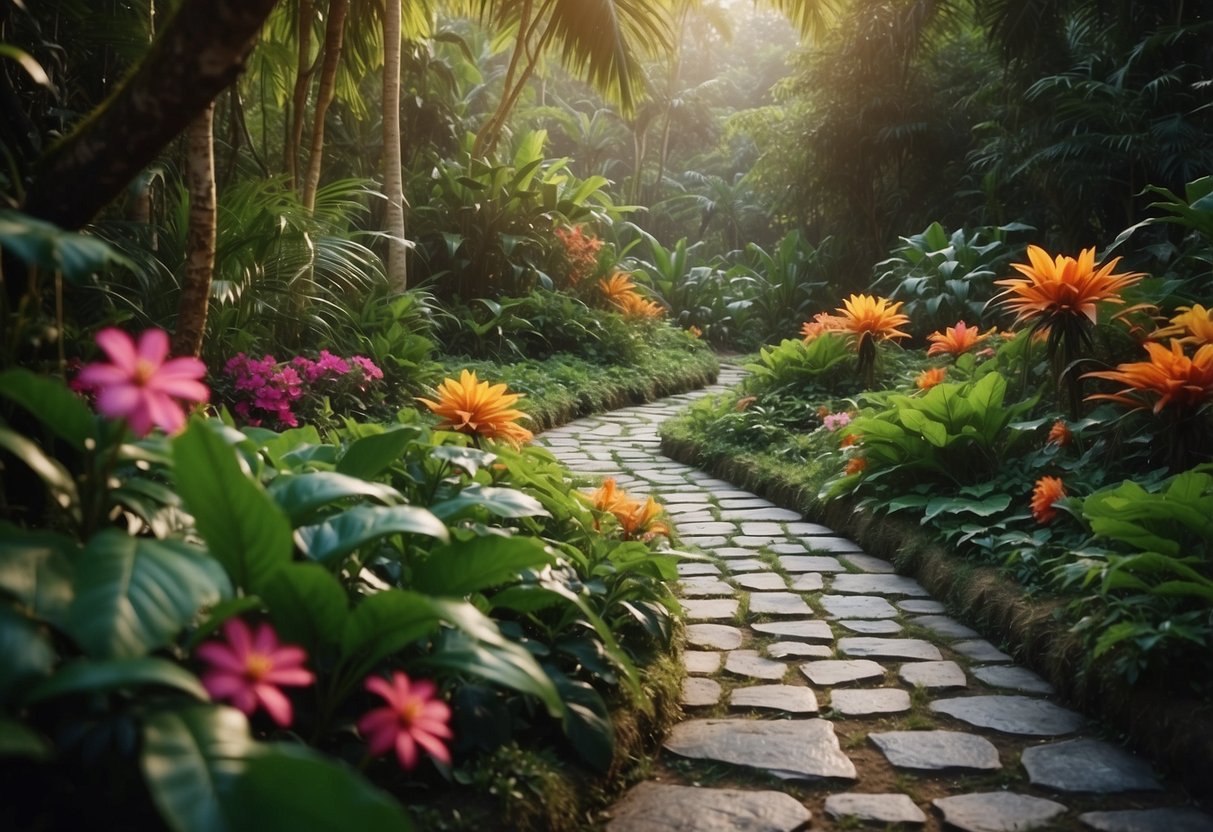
x,y
632,305
695,331
854,465
608,497
1059,434
864,315
822,323
474,407
929,378
640,520
1195,323
1169,377
1063,287
581,250
1048,490
849,440
618,284
744,402
955,340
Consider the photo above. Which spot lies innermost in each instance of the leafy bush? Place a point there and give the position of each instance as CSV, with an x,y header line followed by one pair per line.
x,y
824,366
782,287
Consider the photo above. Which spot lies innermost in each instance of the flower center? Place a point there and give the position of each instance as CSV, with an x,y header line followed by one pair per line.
x,y
144,371
257,666
409,711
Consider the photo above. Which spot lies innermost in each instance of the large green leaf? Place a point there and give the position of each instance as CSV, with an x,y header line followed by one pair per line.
x,y
369,456
301,494
503,502
383,624
51,403
308,605
36,570
133,595
48,247
25,654
242,526
473,565
19,740
507,664
89,676
336,537
57,479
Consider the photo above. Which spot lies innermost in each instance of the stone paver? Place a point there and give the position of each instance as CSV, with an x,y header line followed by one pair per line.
x,y
855,662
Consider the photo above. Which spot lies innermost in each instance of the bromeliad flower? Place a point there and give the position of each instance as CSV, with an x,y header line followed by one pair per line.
x,y
413,716
1063,287
822,323
139,385
1048,491
252,667
634,305
865,316
617,285
929,378
955,340
1060,434
855,465
1169,378
1193,325
474,407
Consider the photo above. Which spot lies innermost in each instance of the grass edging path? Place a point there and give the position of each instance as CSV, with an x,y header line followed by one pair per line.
x,y
1173,728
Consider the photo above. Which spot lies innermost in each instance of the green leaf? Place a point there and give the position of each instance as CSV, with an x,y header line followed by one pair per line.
x,y
503,502
51,402
471,566
587,721
383,624
19,740
470,460
36,570
25,654
307,604
371,455
932,431
58,480
242,526
508,664
89,676
301,494
133,595
339,535
50,248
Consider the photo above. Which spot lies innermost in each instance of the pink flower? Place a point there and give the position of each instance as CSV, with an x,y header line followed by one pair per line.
x,y
834,421
138,385
251,667
413,716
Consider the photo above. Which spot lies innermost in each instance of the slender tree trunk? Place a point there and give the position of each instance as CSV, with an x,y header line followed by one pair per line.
x,y
393,176
304,68
334,36
198,53
200,239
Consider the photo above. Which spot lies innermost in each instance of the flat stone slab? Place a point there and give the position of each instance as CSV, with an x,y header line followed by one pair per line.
x,y
1013,677
831,544
698,692
937,750
732,552
704,587
778,603
761,581
918,605
746,565
771,514
807,630
997,811
811,563
934,675
841,671
945,626
868,563
792,699
866,702
874,808
655,807
791,749
864,647
798,650
746,502
1177,819
714,636
701,661
877,585
752,528
1087,765
711,609
980,650
872,627
808,582
688,570
802,527
857,606
757,541
748,663
712,527
705,542
1012,714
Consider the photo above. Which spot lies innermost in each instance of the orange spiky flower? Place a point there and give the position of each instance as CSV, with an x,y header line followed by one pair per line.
x,y
1193,325
929,378
1059,434
640,521
581,251
608,497
1048,491
479,409
822,323
855,465
618,284
868,319
1169,378
958,339
633,305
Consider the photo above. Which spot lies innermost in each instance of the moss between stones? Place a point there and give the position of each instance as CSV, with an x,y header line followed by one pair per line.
x,y
1172,727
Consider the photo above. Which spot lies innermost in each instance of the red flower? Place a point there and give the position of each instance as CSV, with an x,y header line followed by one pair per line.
x,y
413,717
1048,491
139,385
251,667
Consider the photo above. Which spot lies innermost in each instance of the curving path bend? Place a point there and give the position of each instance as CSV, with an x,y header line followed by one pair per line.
x,y
827,692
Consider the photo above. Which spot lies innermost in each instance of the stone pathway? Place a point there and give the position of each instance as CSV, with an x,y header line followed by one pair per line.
x,y
827,692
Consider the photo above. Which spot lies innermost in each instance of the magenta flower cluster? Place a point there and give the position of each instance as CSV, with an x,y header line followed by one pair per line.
x,y
270,393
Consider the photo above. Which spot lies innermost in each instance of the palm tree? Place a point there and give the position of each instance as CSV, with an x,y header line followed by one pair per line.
x,y
200,245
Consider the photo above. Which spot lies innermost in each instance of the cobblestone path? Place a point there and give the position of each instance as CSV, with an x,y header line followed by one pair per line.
x,y
827,692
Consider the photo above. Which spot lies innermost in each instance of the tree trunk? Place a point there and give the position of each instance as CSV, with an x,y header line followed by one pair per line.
x,y
304,68
199,52
334,35
393,176
200,239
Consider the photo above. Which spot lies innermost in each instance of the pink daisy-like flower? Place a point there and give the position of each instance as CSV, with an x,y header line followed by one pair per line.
x,y
414,716
139,385
252,667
